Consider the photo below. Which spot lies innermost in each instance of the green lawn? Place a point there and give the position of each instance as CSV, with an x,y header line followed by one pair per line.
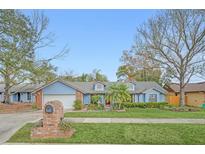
x,y
124,134
139,113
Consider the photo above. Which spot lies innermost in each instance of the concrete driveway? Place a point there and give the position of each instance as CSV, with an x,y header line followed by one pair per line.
x,y
10,123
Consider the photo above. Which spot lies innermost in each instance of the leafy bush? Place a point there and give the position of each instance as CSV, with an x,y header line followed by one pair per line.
x,y
92,107
34,106
140,105
64,125
95,106
118,106
38,123
100,106
78,105
95,99
185,109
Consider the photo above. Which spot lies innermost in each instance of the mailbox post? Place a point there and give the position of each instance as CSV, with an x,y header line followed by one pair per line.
x,y
52,117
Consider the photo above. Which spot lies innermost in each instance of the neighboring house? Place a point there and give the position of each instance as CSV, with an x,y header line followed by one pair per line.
x,y
68,92
194,93
20,93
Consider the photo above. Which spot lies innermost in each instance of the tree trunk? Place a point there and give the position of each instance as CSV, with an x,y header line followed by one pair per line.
x,y
182,95
6,92
6,96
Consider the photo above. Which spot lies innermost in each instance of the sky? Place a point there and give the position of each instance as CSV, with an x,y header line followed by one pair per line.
x,y
95,38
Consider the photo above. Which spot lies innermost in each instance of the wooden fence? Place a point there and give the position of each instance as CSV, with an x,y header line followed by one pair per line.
x,y
174,100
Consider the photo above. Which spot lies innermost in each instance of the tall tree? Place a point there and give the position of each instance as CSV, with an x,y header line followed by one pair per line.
x,y
69,76
42,72
176,40
97,76
86,77
20,37
138,68
126,72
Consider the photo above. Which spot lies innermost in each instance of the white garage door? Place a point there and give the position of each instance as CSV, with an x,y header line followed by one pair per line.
x,y
67,100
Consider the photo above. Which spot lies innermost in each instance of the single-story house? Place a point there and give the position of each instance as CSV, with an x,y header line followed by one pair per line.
x,y
194,93
20,93
68,92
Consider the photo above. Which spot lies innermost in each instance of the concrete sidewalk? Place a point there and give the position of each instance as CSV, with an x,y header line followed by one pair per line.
x,y
134,120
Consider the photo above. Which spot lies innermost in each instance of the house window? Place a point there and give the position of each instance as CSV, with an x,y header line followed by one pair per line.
x,y
28,96
99,87
131,87
152,97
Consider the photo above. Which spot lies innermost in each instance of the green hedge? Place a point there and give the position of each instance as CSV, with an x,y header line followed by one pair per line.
x,y
95,107
140,105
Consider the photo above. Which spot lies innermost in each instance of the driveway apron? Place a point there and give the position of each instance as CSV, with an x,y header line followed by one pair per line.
x,y
10,123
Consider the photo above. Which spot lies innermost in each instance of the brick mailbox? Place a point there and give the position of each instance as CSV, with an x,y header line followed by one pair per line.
x,y
49,127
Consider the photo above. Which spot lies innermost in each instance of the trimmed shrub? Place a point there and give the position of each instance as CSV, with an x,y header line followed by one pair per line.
x,y
185,109
92,107
78,105
65,126
34,106
95,106
101,106
118,106
140,105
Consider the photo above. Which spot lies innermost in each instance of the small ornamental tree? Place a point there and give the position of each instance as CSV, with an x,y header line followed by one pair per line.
x,y
95,99
118,93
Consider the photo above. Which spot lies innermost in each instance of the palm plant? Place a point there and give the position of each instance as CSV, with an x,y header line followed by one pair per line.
x,y
118,93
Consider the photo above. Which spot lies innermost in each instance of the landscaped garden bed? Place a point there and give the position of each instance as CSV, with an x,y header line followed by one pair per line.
x,y
123,134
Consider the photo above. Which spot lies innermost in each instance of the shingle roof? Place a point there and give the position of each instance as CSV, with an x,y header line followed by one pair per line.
x,y
86,87
140,87
143,86
190,87
25,87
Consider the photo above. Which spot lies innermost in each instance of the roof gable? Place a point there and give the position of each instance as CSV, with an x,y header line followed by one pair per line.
x,y
61,81
190,87
58,88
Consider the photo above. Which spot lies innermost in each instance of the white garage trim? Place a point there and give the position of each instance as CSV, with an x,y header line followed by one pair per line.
x,y
67,100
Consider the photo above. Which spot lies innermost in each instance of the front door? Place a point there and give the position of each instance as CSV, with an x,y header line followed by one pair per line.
x,y
18,97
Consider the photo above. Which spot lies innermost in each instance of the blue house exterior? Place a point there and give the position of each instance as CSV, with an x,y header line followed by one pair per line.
x,y
58,88
68,92
86,99
22,97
